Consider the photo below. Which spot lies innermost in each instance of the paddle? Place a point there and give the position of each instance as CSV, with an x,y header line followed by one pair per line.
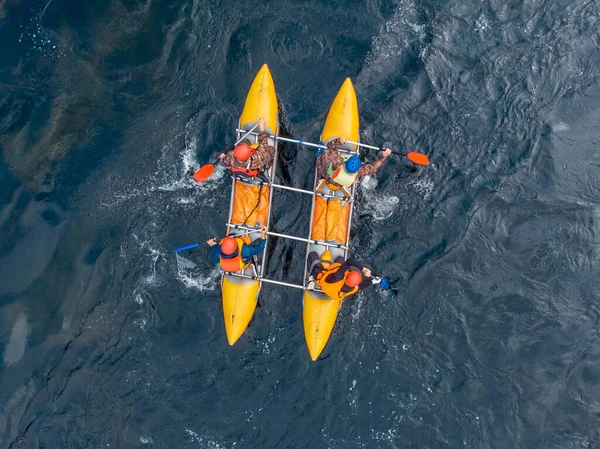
x,y
417,158
204,172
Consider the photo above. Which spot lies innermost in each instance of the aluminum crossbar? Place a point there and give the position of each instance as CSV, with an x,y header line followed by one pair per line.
x,y
309,192
269,281
285,236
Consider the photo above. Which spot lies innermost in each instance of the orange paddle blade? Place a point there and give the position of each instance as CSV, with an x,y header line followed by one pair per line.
x,y
204,172
418,158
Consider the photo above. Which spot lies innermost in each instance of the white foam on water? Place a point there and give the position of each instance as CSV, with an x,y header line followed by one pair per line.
x,y
368,183
560,126
400,31
146,440
380,208
206,443
482,24
423,187
191,276
155,255
17,341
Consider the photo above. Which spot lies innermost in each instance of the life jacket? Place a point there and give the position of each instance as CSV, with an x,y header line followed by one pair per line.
x,y
236,263
333,290
341,176
246,171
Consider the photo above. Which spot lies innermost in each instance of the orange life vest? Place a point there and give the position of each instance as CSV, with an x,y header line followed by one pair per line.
x,y
245,170
333,290
235,263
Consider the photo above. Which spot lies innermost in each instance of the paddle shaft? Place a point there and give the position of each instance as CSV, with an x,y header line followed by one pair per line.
x,y
371,147
195,245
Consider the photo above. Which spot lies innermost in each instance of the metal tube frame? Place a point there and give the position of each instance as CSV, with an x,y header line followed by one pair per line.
x,y
272,184
285,236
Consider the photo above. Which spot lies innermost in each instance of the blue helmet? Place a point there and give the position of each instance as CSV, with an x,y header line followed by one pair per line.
x,y
352,164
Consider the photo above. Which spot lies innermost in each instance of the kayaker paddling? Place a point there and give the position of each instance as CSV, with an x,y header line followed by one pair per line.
x,y
342,171
248,161
236,253
339,279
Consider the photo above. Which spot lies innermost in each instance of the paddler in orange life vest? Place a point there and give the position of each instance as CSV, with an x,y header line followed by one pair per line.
x,y
342,171
339,279
246,161
235,253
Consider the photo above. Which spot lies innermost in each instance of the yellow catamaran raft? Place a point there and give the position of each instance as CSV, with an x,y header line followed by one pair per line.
x,y
331,215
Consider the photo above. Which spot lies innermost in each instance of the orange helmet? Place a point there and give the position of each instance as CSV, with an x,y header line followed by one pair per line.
x,y
229,246
243,152
353,278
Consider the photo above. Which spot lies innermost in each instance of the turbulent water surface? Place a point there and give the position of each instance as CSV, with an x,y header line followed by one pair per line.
x,y
109,340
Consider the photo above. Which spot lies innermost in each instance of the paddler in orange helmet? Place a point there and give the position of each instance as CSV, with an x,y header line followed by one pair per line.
x,y
246,161
235,253
342,171
339,279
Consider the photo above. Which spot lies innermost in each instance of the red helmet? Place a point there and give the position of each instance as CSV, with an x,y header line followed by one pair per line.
x,y
353,278
229,246
243,152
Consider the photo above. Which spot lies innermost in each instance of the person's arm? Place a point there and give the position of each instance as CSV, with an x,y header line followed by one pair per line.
x,y
256,247
226,159
369,169
366,283
339,274
351,263
215,251
263,156
335,144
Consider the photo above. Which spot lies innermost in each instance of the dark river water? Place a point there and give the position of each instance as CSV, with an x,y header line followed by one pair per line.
x,y
108,340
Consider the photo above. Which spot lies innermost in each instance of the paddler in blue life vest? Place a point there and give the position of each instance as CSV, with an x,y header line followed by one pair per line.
x,y
339,279
235,253
245,160
342,171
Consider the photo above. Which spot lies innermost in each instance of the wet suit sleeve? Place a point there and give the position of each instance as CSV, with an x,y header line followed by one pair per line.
x,y
365,284
215,250
339,274
369,169
252,249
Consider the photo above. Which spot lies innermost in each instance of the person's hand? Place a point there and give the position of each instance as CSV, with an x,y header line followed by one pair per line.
x,y
261,123
342,140
221,156
263,233
212,242
387,152
366,272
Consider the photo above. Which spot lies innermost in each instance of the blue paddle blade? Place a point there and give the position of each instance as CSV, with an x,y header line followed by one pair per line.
x,y
183,248
385,283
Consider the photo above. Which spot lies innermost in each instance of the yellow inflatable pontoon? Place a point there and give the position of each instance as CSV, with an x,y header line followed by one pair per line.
x,y
250,207
330,223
